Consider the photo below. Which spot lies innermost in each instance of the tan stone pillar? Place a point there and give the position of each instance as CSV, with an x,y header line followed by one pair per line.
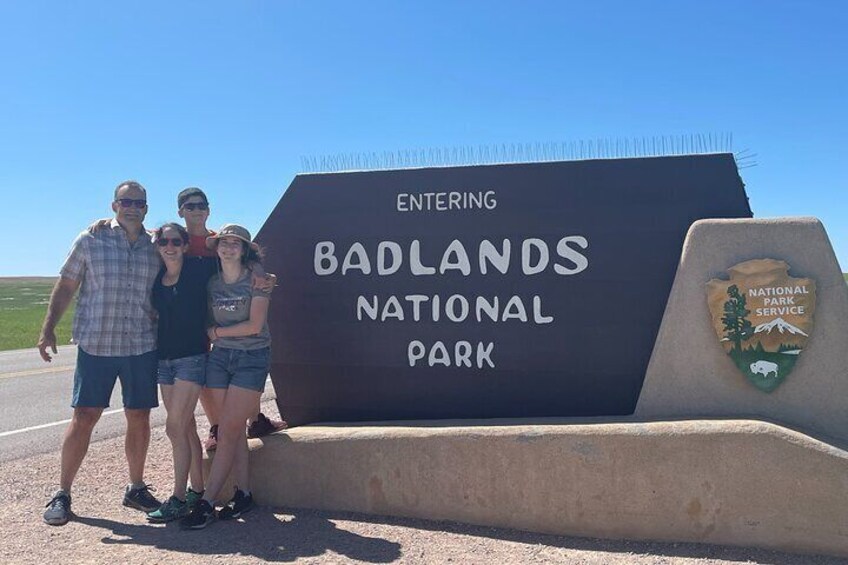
x,y
690,376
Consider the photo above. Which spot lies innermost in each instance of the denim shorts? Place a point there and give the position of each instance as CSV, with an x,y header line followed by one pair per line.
x,y
95,375
244,368
191,369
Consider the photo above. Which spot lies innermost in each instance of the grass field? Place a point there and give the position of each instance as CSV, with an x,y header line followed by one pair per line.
x,y
23,304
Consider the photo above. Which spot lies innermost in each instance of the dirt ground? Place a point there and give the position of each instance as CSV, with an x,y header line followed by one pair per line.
x,y
106,532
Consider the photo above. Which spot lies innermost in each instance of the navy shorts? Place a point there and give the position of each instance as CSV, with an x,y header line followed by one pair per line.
x,y
95,377
244,368
191,369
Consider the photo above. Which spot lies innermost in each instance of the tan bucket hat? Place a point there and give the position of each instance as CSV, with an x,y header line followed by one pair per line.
x,y
231,230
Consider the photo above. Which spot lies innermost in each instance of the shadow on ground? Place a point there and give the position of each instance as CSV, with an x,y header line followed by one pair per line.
x,y
260,534
285,535
666,549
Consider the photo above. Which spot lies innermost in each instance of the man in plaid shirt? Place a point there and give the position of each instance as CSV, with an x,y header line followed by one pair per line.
x,y
115,331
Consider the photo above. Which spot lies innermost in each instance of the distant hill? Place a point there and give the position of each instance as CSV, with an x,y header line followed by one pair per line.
x,y
38,279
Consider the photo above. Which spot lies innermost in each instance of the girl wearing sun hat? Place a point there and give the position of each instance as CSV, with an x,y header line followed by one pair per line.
x,y
237,367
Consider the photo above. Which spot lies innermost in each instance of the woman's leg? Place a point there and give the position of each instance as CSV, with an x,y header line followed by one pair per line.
x,y
180,414
238,406
196,468
167,392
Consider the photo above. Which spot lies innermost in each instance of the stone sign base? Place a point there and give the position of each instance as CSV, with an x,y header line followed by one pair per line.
x,y
721,479
690,376
732,482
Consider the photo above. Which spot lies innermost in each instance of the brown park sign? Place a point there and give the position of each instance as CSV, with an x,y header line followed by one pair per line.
x,y
488,291
763,318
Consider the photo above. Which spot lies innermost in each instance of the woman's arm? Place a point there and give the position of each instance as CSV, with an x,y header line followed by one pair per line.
x,y
251,326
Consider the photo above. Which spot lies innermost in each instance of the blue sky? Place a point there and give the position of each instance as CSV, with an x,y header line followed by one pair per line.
x,y
230,95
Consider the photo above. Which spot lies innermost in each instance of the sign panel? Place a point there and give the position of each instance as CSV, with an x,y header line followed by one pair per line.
x,y
531,289
763,318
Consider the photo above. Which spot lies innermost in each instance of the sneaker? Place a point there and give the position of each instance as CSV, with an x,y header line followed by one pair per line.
x,y
211,441
141,499
192,496
264,426
199,517
172,509
239,504
58,509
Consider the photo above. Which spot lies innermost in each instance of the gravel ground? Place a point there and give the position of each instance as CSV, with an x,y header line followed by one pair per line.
x,y
106,532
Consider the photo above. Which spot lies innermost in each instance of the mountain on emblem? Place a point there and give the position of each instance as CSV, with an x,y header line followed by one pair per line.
x,y
763,319
780,325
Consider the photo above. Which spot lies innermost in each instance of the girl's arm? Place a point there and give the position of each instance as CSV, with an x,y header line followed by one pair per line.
x,y
251,326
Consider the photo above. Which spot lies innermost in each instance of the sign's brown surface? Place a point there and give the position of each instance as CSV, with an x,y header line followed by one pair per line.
x,y
763,318
490,291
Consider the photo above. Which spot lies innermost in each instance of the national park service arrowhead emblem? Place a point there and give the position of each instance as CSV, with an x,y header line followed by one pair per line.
x,y
763,318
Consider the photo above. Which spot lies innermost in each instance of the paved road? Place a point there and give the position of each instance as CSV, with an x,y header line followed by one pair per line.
x,y
35,402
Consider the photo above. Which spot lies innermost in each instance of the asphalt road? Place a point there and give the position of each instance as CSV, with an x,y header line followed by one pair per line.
x,y
35,400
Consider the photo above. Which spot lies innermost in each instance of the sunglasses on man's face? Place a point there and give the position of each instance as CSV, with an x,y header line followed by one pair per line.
x,y
164,241
196,206
131,202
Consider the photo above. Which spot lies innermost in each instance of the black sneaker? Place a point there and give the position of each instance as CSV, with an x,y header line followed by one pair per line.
x,y
58,509
200,516
141,499
239,504
263,426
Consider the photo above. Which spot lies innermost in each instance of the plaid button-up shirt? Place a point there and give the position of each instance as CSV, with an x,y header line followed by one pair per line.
x,y
114,315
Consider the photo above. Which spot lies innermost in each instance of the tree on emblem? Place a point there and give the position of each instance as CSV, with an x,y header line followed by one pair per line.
x,y
737,328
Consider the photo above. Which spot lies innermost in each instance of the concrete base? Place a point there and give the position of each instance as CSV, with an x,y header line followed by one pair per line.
x,y
734,482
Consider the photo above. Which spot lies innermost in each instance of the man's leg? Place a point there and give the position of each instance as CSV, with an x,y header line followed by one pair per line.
x,y
137,442
94,379
138,385
75,444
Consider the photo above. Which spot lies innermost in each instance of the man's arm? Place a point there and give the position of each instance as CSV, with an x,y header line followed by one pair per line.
x,y
99,225
261,280
60,299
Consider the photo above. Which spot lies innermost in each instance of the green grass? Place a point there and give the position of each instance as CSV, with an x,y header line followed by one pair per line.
x,y
23,305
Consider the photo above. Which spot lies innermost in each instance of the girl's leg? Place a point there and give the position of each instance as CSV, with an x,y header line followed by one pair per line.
x,y
214,402
180,413
210,408
238,406
240,470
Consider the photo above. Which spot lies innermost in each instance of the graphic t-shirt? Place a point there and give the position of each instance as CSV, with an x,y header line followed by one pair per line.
x,y
230,304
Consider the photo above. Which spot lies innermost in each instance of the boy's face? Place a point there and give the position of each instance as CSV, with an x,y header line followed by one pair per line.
x,y
195,211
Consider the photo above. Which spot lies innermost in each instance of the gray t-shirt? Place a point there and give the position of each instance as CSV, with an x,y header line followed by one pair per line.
x,y
230,304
